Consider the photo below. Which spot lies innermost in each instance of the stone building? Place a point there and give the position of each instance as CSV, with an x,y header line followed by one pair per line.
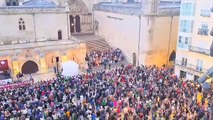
x,y
35,33
145,30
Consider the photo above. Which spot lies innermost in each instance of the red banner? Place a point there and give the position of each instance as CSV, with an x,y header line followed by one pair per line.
x,y
3,65
15,85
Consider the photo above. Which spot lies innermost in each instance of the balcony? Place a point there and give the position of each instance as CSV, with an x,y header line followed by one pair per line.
x,y
191,66
183,46
203,31
199,50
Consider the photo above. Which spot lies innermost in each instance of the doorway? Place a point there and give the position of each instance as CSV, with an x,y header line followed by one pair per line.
x,y
29,67
78,23
72,29
172,56
59,34
182,74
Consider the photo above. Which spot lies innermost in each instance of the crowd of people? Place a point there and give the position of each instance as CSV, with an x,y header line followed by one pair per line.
x,y
107,57
125,93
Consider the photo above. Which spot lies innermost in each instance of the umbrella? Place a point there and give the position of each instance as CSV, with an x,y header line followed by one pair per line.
x,y
206,86
209,80
205,75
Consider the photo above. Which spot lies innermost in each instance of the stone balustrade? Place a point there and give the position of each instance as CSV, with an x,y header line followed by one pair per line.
x,y
20,9
37,47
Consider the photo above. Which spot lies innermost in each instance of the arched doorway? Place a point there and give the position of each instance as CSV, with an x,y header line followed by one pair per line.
x,y
59,34
172,56
29,67
78,23
72,29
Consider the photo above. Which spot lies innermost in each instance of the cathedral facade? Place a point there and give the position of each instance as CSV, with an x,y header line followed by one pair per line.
x,y
36,34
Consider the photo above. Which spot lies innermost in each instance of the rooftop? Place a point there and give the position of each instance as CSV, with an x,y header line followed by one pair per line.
x,y
38,3
164,7
33,6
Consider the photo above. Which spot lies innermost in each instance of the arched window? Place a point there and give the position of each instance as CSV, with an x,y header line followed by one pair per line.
x,y
78,23
21,25
72,27
12,3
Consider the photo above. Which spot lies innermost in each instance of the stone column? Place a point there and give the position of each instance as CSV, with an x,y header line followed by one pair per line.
x,y
15,66
43,65
64,57
83,52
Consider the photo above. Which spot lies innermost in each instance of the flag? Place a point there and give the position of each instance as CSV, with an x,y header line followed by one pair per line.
x,y
3,65
199,98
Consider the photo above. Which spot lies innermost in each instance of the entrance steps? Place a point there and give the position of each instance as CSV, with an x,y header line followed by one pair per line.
x,y
93,42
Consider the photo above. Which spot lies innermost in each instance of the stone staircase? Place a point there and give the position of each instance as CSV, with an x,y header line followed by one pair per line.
x,y
99,45
93,42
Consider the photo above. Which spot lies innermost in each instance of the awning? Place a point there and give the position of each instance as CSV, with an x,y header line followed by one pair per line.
x,y
206,75
206,86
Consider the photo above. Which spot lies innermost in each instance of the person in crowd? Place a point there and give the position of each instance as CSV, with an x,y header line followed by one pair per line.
x,y
126,93
97,58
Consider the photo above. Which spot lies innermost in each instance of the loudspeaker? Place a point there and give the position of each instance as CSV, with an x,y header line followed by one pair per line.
x,y
57,59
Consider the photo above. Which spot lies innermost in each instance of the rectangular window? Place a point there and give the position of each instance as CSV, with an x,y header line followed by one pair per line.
x,y
184,61
186,26
186,40
204,26
203,30
187,9
199,65
205,13
182,74
179,39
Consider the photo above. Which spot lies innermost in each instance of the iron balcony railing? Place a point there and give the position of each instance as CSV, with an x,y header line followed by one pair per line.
x,y
183,46
190,66
199,50
203,31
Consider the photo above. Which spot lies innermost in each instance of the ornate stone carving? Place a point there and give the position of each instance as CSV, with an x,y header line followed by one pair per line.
x,y
77,6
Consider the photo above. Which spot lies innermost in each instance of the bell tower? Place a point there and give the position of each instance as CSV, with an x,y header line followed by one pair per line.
x,y
150,6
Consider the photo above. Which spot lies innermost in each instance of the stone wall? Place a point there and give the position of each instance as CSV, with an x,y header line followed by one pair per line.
x,y
38,27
